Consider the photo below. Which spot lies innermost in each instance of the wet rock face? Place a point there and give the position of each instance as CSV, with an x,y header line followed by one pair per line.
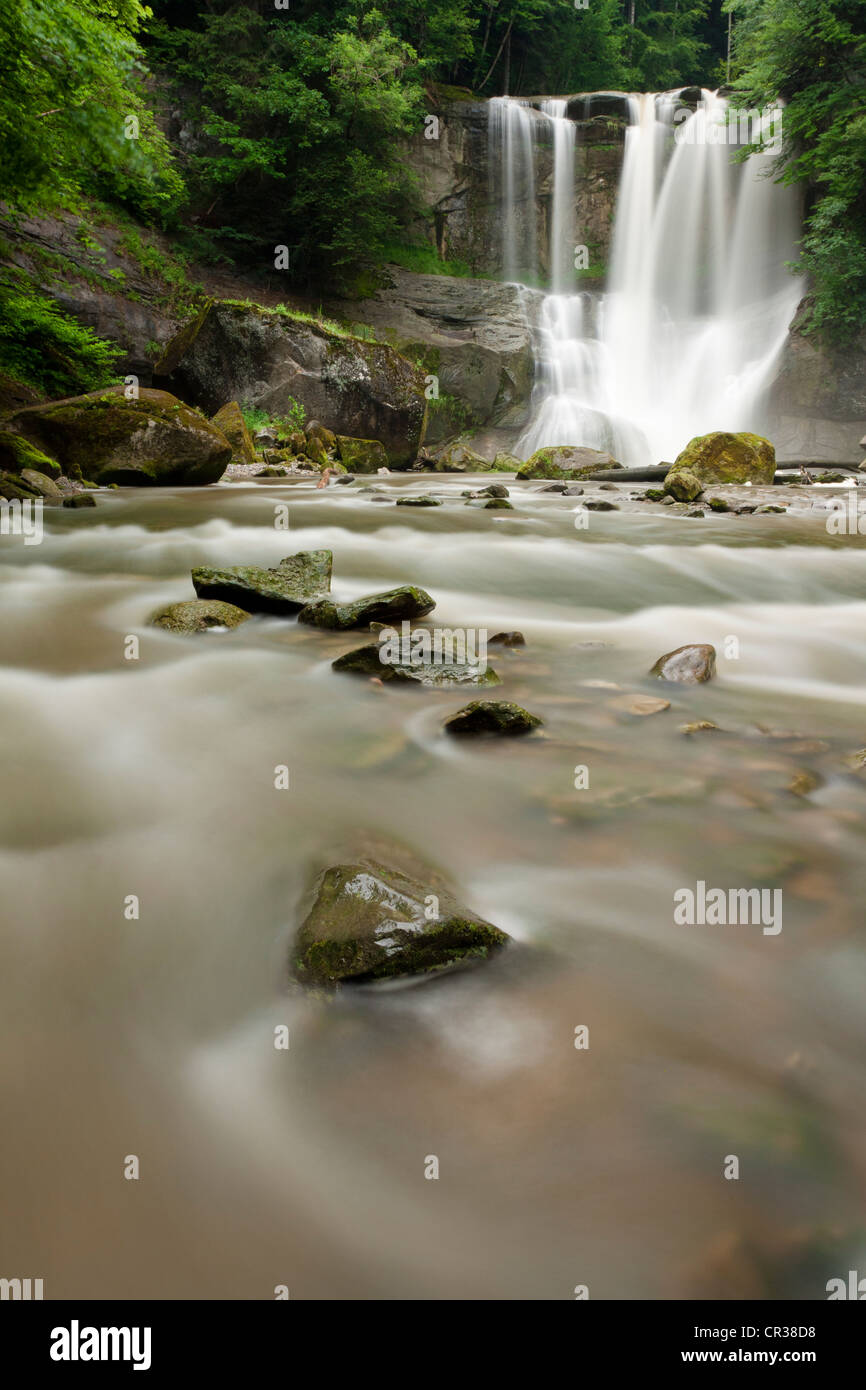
x,y
370,922
392,606
723,458
374,660
198,615
286,589
498,717
687,665
565,462
361,455
154,440
263,358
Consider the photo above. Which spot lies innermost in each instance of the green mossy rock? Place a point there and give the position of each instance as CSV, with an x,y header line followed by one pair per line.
x,y
459,458
498,504
41,484
230,422
198,615
325,436
77,500
725,458
17,453
392,606
683,486
315,450
370,922
367,661
499,717
13,486
506,463
287,589
418,502
688,665
361,455
154,440
566,463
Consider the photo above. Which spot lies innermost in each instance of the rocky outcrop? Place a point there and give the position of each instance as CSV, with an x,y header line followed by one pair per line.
x,y
816,409
720,458
473,336
152,440
372,922
269,358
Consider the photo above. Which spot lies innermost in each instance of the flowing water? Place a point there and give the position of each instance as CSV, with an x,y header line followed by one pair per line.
x,y
558,1167
687,334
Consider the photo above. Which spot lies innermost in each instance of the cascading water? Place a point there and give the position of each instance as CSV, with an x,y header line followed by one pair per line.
x,y
686,337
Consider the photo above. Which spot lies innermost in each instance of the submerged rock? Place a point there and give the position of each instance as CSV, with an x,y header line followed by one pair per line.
x,y
600,505
566,462
725,458
687,665
287,589
492,717
370,922
497,504
198,615
392,606
374,659
154,440
507,639
230,421
79,499
418,502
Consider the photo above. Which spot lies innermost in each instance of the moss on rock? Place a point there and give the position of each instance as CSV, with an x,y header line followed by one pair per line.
x,y
361,455
370,922
392,606
286,589
230,422
567,463
720,457
499,717
198,615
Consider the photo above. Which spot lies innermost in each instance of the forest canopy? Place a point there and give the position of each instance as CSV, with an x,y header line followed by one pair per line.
x,y
293,113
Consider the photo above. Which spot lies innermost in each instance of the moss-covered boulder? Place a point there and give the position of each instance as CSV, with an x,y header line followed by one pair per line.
x,y
459,458
506,463
361,455
198,615
376,659
322,433
154,440
683,486
688,665
370,922
392,606
723,458
566,462
41,484
13,487
288,588
316,451
265,358
499,717
418,502
230,422
17,453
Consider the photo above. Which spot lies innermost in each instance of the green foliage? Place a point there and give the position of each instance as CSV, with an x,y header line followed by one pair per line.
x,y
72,94
425,260
664,47
812,55
170,272
280,425
45,348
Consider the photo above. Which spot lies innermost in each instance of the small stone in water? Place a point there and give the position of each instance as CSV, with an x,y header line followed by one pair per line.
x,y
492,717
601,506
688,665
699,726
639,704
507,639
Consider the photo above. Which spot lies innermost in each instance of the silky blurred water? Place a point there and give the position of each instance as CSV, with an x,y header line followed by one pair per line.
x,y
558,1167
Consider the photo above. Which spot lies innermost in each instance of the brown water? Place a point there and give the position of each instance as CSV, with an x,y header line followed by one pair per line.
x,y
558,1166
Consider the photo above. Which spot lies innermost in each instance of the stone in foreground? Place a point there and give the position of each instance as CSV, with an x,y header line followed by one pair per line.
x,y
392,606
492,717
370,922
295,582
687,665
368,661
566,463
198,615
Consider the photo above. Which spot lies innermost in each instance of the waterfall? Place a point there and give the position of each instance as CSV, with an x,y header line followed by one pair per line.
x,y
686,337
